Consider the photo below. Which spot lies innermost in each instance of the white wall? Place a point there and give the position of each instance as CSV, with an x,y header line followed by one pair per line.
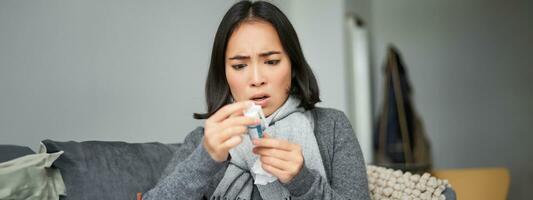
x,y
469,63
319,25
103,70
130,71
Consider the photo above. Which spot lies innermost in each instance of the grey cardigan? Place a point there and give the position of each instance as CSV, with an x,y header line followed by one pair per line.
x,y
192,174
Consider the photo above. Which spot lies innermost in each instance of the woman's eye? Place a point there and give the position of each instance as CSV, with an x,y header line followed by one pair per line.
x,y
238,66
272,62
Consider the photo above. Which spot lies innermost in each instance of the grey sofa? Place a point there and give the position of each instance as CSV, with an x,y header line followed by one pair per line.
x,y
103,170
108,170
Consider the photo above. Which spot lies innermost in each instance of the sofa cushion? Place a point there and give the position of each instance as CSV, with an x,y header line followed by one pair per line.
x,y
10,152
110,170
387,183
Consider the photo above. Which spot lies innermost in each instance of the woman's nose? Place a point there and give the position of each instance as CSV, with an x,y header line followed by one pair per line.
x,y
258,78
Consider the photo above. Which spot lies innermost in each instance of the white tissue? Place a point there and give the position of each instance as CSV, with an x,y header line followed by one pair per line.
x,y
261,176
255,111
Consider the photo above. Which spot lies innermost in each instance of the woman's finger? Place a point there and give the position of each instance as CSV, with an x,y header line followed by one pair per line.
x,y
230,132
237,114
230,109
274,143
290,166
232,142
240,121
277,163
272,152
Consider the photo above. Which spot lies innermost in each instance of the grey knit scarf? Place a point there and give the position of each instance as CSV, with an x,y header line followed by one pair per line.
x,y
289,122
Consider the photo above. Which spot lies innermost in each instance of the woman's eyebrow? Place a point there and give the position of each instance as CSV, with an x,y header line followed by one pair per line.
x,y
269,53
239,57
265,54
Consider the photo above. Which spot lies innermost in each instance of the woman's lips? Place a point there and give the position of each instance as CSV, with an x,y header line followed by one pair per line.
x,y
262,102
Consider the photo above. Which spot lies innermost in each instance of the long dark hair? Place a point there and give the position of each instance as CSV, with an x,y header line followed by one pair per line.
x,y
217,91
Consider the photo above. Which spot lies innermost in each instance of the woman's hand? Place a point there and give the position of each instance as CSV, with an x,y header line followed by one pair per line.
x,y
223,130
279,157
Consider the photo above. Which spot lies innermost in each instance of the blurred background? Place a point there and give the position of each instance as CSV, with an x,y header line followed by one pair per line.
x,y
135,70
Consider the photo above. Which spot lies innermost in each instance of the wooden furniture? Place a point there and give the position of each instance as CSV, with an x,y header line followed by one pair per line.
x,y
477,183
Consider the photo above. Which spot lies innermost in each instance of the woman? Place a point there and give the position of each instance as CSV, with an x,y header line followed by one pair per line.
x,y
307,152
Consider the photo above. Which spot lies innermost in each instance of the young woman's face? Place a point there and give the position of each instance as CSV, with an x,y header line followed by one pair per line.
x,y
257,68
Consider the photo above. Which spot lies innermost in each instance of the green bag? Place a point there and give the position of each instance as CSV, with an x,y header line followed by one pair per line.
x,y
31,177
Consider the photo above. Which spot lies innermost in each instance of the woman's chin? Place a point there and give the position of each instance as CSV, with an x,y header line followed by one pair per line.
x,y
267,111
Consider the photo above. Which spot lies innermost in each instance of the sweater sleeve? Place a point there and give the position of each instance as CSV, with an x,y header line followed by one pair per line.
x,y
188,173
348,178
